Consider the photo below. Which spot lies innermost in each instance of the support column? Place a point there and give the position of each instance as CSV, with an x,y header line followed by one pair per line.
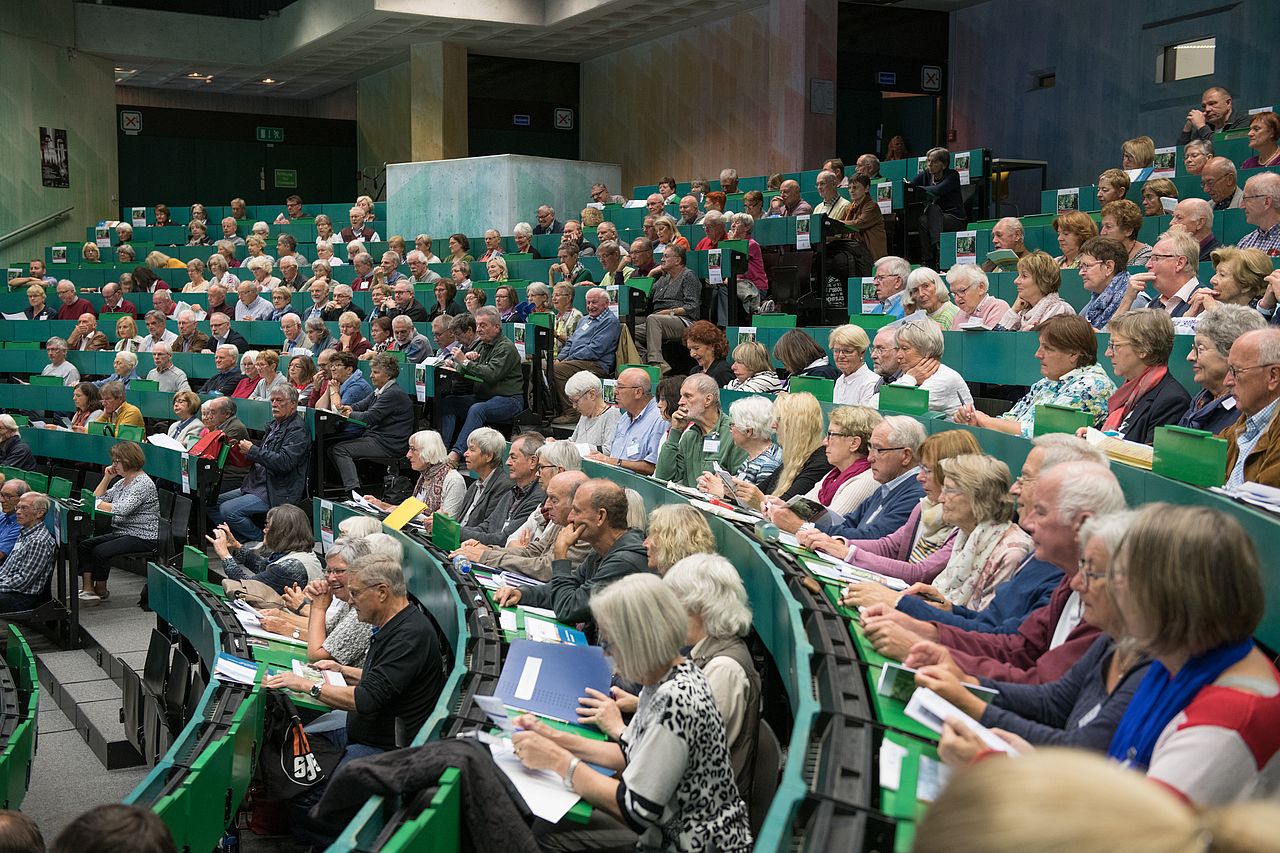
x,y
802,48
438,101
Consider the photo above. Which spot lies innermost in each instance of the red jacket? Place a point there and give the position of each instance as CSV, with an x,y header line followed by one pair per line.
x,y
76,309
1024,657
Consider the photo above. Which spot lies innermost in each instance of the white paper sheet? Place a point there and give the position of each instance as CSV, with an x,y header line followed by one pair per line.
x,y
891,757
234,669
931,778
507,620
159,439
931,710
538,611
543,791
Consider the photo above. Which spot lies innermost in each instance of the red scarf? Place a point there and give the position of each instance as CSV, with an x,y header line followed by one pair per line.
x,y
1131,391
835,479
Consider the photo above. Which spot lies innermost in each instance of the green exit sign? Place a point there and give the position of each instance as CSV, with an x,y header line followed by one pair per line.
x,y
270,134
286,179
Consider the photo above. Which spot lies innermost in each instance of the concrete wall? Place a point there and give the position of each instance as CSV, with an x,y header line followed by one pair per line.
x,y
1104,56
49,85
469,195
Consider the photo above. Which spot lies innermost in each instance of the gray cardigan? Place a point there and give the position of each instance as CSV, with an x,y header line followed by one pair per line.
x,y
682,292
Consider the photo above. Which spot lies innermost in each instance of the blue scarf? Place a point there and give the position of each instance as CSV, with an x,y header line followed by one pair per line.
x,y
1159,698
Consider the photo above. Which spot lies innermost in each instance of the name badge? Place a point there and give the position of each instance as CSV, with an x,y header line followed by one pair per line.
x,y
633,449
711,445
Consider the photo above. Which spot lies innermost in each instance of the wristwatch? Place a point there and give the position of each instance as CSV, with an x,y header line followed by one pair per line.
x,y
315,691
297,634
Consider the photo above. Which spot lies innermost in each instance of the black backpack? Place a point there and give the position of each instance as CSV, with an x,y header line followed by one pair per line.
x,y
292,762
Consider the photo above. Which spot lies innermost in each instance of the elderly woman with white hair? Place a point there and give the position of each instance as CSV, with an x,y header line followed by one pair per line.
x,y
439,485
751,427
261,268
522,234
219,273
919,349
672,763
713,596
969,287
856,385
929,293
596,418
126,370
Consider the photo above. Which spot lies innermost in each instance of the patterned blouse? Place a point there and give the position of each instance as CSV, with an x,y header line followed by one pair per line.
x,y
678,788
347,640
566,322
1085,388
1102,306
135,507
757,470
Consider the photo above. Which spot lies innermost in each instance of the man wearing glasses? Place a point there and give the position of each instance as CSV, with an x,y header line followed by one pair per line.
x,y
1253,441
1218,180
637,438
600,195
894,460
891,281
525,496
1171,269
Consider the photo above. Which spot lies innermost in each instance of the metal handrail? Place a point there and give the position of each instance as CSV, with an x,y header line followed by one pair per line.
x,y
18,232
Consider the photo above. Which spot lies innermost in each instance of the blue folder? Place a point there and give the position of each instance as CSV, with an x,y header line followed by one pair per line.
x,y
554,677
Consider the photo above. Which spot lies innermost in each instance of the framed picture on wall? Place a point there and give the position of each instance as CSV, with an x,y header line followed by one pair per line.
x,y
55,167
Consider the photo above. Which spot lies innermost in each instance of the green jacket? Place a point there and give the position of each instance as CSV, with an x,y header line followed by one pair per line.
x,y
682,459
497,373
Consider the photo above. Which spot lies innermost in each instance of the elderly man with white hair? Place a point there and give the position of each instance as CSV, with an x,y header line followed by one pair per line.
x,y
919,349
592,347
699,435
171,379
362,263
58,366
1171,270
867,165
251,305
1195,216
229,232
224,382
890,277
190,338
1262,210
1008,234
358,229
290,277
1219,182
420,272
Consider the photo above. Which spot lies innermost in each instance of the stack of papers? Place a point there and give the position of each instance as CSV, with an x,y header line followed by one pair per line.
x,y
252,624
546,631
358,501
543,791
724,512
1128,452
516,579
235,670
159,439
1254,494
837,570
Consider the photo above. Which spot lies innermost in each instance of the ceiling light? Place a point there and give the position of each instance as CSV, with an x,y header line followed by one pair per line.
x,y
195,75
268,81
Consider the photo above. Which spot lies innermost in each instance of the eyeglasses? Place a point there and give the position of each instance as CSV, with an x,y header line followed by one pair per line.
x,y
951,491
841,351
838,434
543,467
1161,257
871,448
1233,372
354,591
1254,195
1208,182
1091,576
883,277
336,572
1088,265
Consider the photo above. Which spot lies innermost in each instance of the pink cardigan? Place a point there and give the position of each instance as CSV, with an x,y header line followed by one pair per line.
x,y
888,555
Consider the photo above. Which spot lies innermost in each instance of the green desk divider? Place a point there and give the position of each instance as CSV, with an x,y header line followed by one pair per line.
x,y
774,321
59,488
144,385
129,432
871,323
642,283
195,564
40,482
88,502
655,373
107,322
21,420
541,318
1190,456
823,389
397,354
46,381
446,534
96,428
22,345
517,256
904,399
1054,418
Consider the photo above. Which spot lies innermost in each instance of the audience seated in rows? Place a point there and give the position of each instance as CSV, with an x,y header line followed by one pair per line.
x,y
387,415
592,348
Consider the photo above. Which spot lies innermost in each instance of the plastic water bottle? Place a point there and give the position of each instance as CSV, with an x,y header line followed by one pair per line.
x,y
766,531
462,565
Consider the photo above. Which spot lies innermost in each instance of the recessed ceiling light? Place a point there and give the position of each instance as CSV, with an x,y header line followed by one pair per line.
x,y
269,81
195,75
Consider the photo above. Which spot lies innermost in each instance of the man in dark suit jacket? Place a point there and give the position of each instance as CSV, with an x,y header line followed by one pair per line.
x,y
388,411
492,483
515,507
895,447
547,222
222,333
224,382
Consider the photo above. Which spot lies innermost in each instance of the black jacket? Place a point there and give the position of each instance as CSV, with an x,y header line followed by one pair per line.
x,y
415,312
282,456
1164,404
15,453
494,815
499,485
511,511
389,416
453,309
331,315
234,338
720,371
223,383
945,191
815,468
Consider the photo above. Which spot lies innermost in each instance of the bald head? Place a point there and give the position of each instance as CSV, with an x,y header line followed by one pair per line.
x,y
1195,216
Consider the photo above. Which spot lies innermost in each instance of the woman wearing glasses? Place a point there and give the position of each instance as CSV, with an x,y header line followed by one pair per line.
x,y
1215,408
1150,396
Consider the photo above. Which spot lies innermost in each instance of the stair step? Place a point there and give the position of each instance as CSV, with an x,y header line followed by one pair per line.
x,y
91,700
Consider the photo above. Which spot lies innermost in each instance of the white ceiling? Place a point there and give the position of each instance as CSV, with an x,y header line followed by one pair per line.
x,y
314,47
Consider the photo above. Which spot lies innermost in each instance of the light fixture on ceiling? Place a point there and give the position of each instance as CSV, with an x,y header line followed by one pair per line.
x,y
267,81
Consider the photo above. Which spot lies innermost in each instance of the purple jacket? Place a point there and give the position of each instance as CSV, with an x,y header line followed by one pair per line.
x,y
888,555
